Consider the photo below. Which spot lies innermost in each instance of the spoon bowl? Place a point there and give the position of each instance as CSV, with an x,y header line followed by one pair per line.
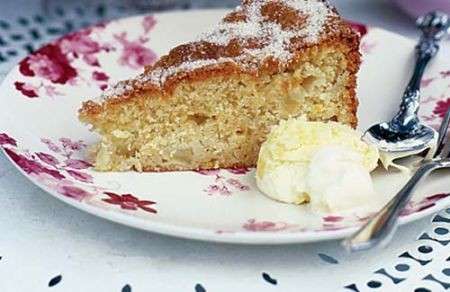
x,y
388,139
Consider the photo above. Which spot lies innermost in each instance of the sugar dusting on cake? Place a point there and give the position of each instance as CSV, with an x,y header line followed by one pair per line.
x,y
256,26
118,89
274,39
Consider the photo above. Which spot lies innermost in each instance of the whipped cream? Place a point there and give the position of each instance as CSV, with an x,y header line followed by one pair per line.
x,y
325,164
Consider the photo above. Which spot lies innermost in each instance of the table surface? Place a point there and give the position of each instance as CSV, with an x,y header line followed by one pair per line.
x,y
46,245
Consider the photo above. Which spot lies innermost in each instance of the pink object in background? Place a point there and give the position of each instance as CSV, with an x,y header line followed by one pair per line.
x,y
418,7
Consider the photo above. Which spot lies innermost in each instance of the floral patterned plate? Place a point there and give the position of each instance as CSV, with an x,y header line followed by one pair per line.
x,y
41,135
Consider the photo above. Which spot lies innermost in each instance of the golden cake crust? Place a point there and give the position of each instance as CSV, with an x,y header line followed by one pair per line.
x,y
212,57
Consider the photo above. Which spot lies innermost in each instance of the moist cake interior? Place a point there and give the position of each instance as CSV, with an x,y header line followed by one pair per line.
x,y
211,103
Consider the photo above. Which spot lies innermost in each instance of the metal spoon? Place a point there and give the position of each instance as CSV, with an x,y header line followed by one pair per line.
x,y
379,230
405,132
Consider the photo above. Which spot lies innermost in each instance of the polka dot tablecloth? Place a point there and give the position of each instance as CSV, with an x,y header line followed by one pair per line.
x,y
48,246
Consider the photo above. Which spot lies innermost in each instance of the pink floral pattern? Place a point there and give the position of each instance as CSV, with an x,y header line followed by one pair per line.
x,y
101,79
51,146
428,202
442,107
65,174
27,90
71,191
135,54
367,46
50,90
70,145
253,225
239,170
359,27
31,91
333,218
31,166
50,63
82,45
67,148
129,202
99,76
426,82
80,176
148,23
65,61
445,74
222,185
77,164
7,140
47,158
41,162
217,189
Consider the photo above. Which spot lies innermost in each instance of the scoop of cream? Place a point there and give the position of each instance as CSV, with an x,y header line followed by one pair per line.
x,y
325,164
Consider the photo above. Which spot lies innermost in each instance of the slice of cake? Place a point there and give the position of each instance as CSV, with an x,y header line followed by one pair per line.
x,y
210,103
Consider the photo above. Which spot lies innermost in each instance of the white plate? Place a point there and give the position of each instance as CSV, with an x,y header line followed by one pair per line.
x,y
42,136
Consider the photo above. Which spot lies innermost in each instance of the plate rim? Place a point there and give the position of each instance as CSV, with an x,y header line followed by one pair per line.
x,y
204,234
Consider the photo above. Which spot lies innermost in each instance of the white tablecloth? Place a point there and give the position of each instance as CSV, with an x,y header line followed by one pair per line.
x,y
46,245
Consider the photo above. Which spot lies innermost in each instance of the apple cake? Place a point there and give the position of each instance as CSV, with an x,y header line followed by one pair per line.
x,y
210,103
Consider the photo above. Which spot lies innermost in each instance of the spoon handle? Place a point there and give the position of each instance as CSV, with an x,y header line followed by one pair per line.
x,y
434,27
380,228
